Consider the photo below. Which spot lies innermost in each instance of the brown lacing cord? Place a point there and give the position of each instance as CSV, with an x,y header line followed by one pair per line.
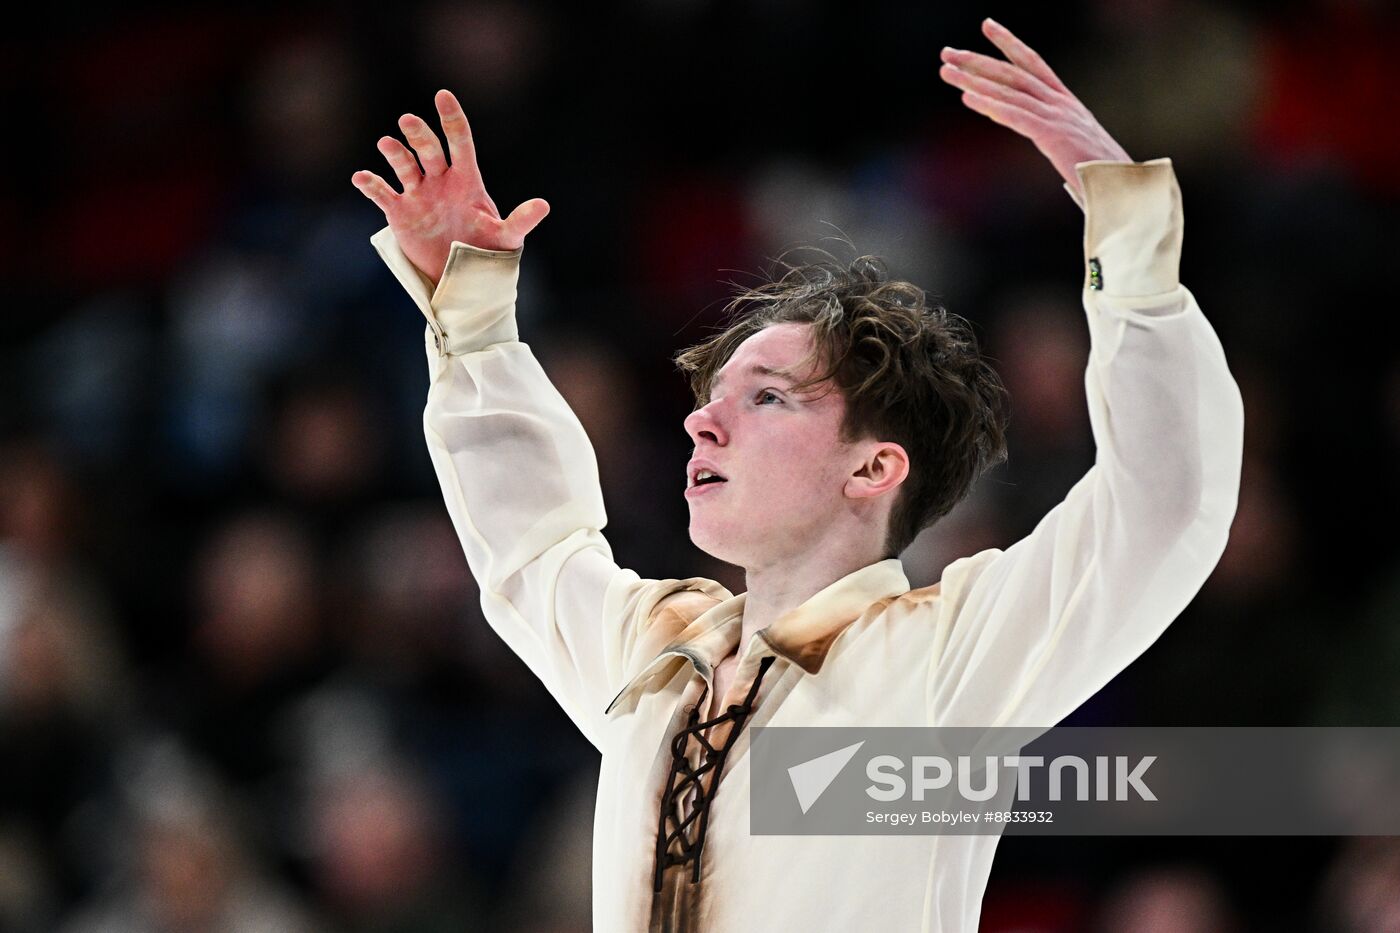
x,y
713,759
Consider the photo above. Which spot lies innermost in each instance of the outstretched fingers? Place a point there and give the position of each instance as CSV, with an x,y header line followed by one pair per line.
x,y
424,142
968,81
458,132
994,69
375,188
401,161
1009,115
1021,54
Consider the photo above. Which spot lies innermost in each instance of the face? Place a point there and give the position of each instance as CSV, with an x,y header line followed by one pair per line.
x,y
785,468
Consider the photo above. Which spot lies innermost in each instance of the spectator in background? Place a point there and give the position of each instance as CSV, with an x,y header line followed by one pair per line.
x,y
65,695
178,859
1361,891
1168,900
378,856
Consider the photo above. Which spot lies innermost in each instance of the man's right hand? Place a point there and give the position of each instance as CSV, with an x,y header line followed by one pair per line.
x,y
442,203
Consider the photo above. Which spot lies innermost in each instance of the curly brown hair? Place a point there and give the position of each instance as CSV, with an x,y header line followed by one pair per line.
x,y
910,373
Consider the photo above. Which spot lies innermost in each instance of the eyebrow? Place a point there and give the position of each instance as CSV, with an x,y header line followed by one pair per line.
x,y
757,370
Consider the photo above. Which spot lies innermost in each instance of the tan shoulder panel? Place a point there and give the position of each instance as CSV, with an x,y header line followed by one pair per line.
x,y
924,593
673,613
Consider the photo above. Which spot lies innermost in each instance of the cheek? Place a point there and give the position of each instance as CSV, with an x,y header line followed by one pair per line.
x,y
802,468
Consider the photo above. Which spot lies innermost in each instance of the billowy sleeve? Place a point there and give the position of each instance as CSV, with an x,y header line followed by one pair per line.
x,y
1026,635
520,481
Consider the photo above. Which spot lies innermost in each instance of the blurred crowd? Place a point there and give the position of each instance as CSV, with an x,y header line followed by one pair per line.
x,y
244,680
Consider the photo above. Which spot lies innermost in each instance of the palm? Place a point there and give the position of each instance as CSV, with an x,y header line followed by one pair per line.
x,y
442,203
427,218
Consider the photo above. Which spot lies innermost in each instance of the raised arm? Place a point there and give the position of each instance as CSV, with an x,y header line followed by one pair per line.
x,y
517,471
1027,634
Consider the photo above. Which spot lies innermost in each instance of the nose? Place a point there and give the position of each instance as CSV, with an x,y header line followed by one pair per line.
x,y
702,422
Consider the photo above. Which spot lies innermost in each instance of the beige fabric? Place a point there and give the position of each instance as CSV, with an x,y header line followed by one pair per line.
x,y
1019,636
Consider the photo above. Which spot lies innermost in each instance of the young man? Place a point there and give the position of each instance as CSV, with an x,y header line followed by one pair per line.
x,y
823,485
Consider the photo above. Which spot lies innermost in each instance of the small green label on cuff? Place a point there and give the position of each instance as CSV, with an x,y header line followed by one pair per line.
x,y
1095,274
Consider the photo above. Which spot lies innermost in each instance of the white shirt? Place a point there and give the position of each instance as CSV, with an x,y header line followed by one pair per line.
x,y
1014,637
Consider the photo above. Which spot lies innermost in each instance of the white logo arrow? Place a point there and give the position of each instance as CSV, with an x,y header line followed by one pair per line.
x,y
811,778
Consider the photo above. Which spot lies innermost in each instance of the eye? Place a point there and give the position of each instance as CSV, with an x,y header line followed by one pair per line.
x,y
766,394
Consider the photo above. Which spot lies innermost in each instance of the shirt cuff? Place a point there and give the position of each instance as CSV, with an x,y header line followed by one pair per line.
x,y
473,305
1132,227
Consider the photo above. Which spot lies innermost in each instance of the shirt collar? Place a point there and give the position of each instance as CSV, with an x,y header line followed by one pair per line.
x,y
802,635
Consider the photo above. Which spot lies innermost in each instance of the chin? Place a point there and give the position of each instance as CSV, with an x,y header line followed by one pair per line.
x,y
717,544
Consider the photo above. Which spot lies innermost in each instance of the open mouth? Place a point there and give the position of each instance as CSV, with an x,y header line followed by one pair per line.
x,y
706,479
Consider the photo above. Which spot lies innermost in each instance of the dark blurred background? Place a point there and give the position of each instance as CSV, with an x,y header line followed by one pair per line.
x,y
244,682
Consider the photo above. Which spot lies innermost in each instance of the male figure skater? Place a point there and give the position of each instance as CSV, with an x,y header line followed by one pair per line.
x,y
836,418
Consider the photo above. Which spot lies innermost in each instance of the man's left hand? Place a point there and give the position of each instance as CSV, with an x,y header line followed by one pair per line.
x,y
1025,95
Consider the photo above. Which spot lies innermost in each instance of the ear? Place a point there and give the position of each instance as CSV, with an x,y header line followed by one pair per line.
x,y
885,466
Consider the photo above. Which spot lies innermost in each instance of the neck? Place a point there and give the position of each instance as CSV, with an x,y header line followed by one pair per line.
x,y
781,586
